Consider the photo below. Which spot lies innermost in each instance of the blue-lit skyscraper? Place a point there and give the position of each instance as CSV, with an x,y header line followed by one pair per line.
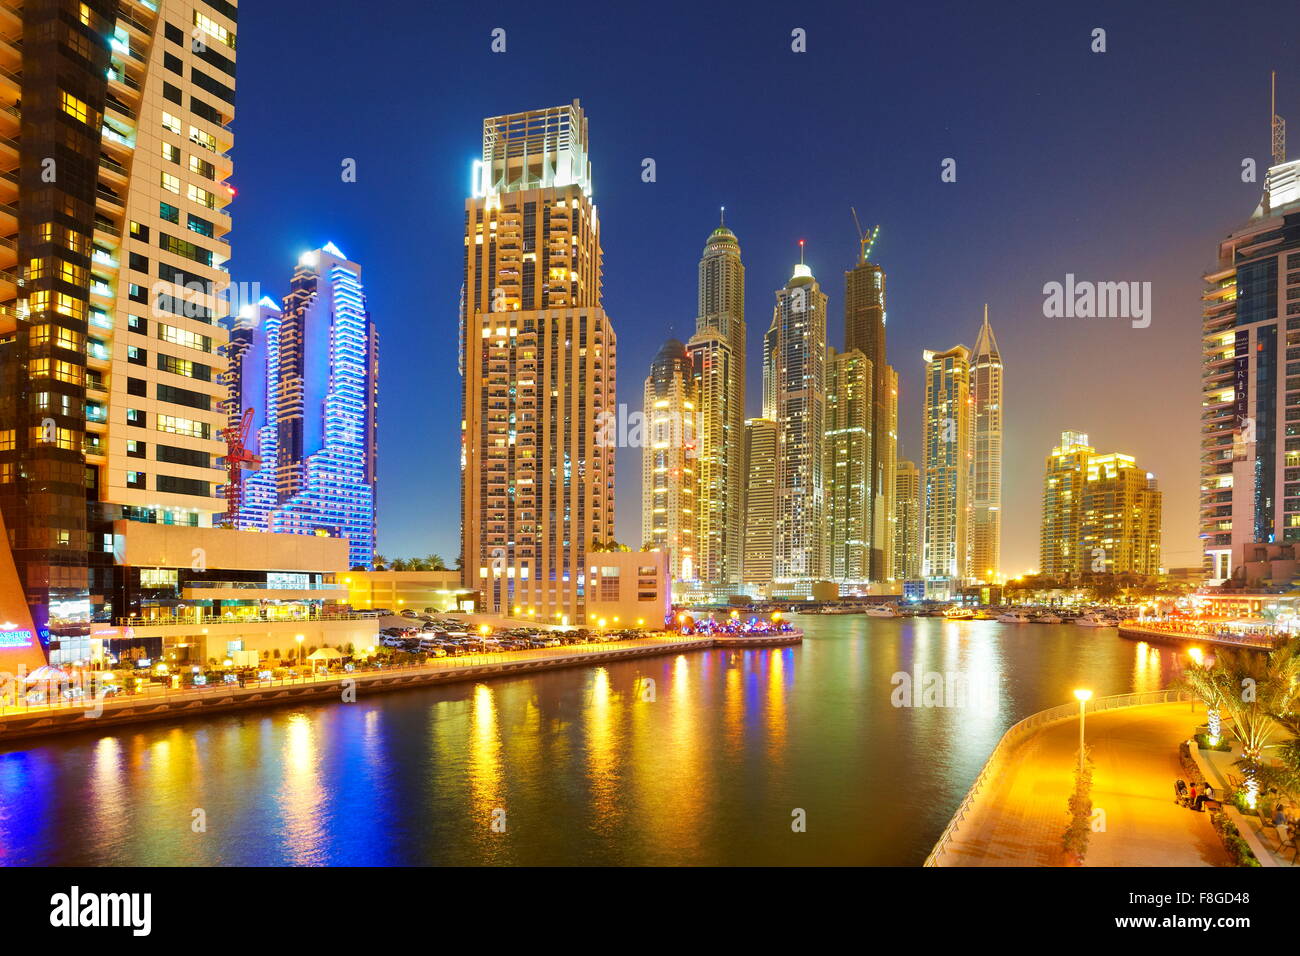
x,y
309,372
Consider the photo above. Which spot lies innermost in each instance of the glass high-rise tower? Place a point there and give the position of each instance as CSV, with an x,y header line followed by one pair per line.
x,y
796,348
1250,456
309,371
946,502
986,394
668,459
538,360
717,350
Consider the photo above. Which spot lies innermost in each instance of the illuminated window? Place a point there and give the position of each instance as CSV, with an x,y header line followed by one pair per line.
x,y
171,123
214,29
74,107
202,197
171,183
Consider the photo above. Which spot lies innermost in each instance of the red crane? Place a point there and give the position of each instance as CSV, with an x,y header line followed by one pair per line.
x,y
238,459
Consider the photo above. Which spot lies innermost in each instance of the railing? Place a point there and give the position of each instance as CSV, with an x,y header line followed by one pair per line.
x,y
267,586
1018,731
221,619
1262,641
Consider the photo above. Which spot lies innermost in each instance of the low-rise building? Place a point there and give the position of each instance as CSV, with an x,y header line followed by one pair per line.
x,y
417,590
188,595
628,589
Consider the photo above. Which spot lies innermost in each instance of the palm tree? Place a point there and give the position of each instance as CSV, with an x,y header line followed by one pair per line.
x,y
1208,683
435,563
1263,691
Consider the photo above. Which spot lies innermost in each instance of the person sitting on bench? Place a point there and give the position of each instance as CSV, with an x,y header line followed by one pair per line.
x,y
1207,794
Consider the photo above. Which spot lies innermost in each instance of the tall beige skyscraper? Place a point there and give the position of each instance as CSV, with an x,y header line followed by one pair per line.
x,y
798,357
717,350
538,359
116,156
864,330
760,504
907,527
848,467
668,458
986,392
1101,513
946,483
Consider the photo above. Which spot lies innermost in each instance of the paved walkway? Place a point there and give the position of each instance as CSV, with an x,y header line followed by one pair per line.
x,y
1019,818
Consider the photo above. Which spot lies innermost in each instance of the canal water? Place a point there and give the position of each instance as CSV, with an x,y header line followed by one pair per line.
x,y
798,755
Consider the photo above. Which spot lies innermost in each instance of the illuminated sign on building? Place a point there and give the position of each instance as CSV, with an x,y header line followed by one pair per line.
x,y
18,638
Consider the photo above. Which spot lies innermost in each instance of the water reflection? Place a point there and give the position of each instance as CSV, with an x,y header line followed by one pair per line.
x,y
593,765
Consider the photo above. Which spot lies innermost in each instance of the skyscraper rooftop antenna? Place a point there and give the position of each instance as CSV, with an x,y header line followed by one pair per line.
x,y
722,215
1278,123
801,252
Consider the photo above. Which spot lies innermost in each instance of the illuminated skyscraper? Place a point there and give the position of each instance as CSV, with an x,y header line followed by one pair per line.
x,y
668,459
1067,470
798,363
538,359
1250,401
848,467
864,330
907,529
1101,513
116,152
946,492
718,351
760,503
986,391
311,376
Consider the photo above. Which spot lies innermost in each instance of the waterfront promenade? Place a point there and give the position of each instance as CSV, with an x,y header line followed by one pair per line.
x,y
158,702
1017,817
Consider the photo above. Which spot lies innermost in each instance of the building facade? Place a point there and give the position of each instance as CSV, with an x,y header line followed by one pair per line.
x,y
309,373
848,469
1250,456
116,148
669,455
629,589
798,363
986,518
538,363
946,500
864,330
760,504
717,350
907,526
1101,513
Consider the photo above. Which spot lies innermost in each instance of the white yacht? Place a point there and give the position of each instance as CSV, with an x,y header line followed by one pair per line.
x,y
1014,617
881,610
1047,617
956,613
1093,620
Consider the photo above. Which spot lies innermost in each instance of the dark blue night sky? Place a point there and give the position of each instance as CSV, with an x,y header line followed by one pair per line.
x,y
1116,166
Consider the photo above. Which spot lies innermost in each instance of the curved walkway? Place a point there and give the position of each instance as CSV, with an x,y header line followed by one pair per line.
x,y
1019,818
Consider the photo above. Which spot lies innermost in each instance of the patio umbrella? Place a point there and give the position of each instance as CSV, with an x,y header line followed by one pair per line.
x,y
325,654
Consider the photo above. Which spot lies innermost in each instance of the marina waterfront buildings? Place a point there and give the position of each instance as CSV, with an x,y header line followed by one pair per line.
x,y
113,271
1250,329
717,351
946,492
795,353
668,459
1101,513
538,366
986,515
848,470
760,503
864,330
907,526
307,378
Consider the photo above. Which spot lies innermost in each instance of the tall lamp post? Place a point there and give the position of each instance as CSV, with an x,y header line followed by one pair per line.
x,y
299,639
1083,696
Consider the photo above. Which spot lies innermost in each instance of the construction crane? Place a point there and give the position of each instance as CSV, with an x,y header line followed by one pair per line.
x,y
238,460
864,241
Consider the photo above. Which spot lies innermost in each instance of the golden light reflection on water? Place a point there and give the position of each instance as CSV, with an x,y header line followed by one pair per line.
x,y
302,791
602,752
733,704
776,709
484,758
108,807
1147,671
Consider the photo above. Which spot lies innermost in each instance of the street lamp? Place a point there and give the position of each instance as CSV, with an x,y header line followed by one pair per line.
x,y
1083,696
299,639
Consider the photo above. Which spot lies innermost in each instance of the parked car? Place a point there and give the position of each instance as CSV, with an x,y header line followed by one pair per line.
x,y
408,612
